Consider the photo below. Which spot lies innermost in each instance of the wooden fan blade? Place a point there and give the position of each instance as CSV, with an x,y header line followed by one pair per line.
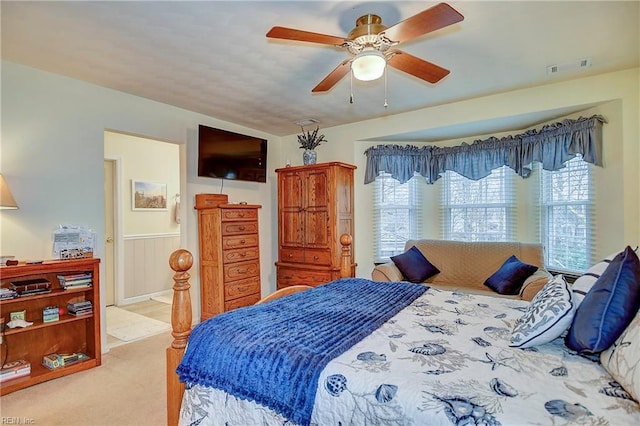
x,y
334,77
434,18
299,35
417,67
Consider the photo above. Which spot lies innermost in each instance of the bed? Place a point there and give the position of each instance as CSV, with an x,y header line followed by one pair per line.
x,y
427,356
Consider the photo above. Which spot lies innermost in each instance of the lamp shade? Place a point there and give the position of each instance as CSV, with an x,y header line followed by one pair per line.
x,y
6,198
368,65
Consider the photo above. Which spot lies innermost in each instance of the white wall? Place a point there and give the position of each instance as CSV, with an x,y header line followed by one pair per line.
x,y
145,160
52,153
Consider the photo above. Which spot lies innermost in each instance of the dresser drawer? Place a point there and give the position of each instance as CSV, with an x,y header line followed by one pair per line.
x,y
241,288
239,241
241,270
317,257
291,276
241,302
240,255
239,214
235,228
292,255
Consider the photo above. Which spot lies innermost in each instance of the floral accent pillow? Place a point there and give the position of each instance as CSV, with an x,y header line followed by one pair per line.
x,y
622,359
547,317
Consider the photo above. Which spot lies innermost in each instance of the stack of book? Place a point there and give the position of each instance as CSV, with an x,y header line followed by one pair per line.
x,y
31,287
68,281
15,369
7,293
80,308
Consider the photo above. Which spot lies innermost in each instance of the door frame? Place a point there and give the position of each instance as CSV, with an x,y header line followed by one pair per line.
x,y
118,247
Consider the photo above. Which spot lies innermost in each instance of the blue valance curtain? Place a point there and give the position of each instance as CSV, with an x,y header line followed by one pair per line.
x,y
552,145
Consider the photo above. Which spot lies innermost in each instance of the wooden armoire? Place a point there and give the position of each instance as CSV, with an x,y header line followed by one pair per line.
x,y
229,254
315,207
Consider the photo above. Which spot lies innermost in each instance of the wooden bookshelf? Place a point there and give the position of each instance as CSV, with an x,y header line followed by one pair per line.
x,y
69,334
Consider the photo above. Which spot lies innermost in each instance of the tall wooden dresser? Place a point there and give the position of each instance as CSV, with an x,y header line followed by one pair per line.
x,y
315,207
229,254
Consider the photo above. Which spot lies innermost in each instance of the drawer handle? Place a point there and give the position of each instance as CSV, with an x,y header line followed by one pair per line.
x,y
315,257
243,289
290,254
243,242
243,254
241,214
242,228
241,271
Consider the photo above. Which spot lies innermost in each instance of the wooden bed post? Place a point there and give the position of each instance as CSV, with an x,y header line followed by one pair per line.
x,y
180,261
347,269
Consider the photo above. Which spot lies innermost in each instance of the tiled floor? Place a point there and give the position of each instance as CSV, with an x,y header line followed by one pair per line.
x,y
149,308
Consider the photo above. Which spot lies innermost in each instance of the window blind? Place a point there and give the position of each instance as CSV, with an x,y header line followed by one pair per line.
x,y
479,210
566,212
396,215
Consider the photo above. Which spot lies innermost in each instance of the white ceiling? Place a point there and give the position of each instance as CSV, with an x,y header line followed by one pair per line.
x,y
212,57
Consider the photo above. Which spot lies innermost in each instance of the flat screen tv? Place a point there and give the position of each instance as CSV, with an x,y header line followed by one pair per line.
x,y
227,155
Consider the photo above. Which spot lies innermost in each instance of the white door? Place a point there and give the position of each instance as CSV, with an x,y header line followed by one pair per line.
x,y
109,238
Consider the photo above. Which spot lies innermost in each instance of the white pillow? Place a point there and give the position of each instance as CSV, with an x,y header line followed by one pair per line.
x,y
583,283
622,359
548,315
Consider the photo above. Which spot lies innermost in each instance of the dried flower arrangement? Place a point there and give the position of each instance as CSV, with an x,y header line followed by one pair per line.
x,y
310,140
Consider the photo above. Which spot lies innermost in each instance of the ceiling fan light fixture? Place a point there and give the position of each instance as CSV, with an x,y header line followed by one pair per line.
x,y
368,65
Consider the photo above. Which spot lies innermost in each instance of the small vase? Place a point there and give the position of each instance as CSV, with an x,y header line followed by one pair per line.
x,y
309,156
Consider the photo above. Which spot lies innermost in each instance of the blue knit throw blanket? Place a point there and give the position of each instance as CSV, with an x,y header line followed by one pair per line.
x,y
273,353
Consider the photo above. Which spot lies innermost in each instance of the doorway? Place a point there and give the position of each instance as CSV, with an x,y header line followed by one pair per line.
x,y
138,241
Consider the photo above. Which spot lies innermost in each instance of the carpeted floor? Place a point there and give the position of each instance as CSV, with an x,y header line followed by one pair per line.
x,y
129,388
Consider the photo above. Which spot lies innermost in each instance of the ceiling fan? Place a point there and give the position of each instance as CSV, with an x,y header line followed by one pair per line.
x,y
372,46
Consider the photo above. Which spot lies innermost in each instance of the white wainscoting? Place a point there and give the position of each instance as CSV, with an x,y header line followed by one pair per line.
x,y
146,265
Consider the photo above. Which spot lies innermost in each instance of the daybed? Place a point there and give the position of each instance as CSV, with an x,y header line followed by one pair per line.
x,y
357,351
465,266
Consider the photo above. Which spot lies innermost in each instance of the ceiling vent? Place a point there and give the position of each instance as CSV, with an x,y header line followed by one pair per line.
x,y
569,66
307,122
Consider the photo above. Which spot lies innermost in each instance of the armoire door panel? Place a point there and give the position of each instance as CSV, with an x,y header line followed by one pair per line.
x,y
291,188
291,232
316,232
317,190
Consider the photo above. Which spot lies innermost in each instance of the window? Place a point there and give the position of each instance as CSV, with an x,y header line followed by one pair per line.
x,y
478,210
566,225
396,215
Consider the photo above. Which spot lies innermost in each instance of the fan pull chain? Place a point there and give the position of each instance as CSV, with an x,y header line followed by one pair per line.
x,y
386,104
351,82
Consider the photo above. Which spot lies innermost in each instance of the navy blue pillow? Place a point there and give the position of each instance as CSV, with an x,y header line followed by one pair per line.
x,y
414,266
609,307
510,277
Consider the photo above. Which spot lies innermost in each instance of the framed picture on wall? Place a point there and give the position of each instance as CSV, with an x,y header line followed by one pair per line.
x,y
149,196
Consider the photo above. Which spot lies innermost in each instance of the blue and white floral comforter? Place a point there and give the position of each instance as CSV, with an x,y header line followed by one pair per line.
x,y
444,360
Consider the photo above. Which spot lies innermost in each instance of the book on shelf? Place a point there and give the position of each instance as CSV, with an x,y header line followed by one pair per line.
x,y
70,277
7,293
81,313
83,284
34,286
53,361
80,308
80,280
15,369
